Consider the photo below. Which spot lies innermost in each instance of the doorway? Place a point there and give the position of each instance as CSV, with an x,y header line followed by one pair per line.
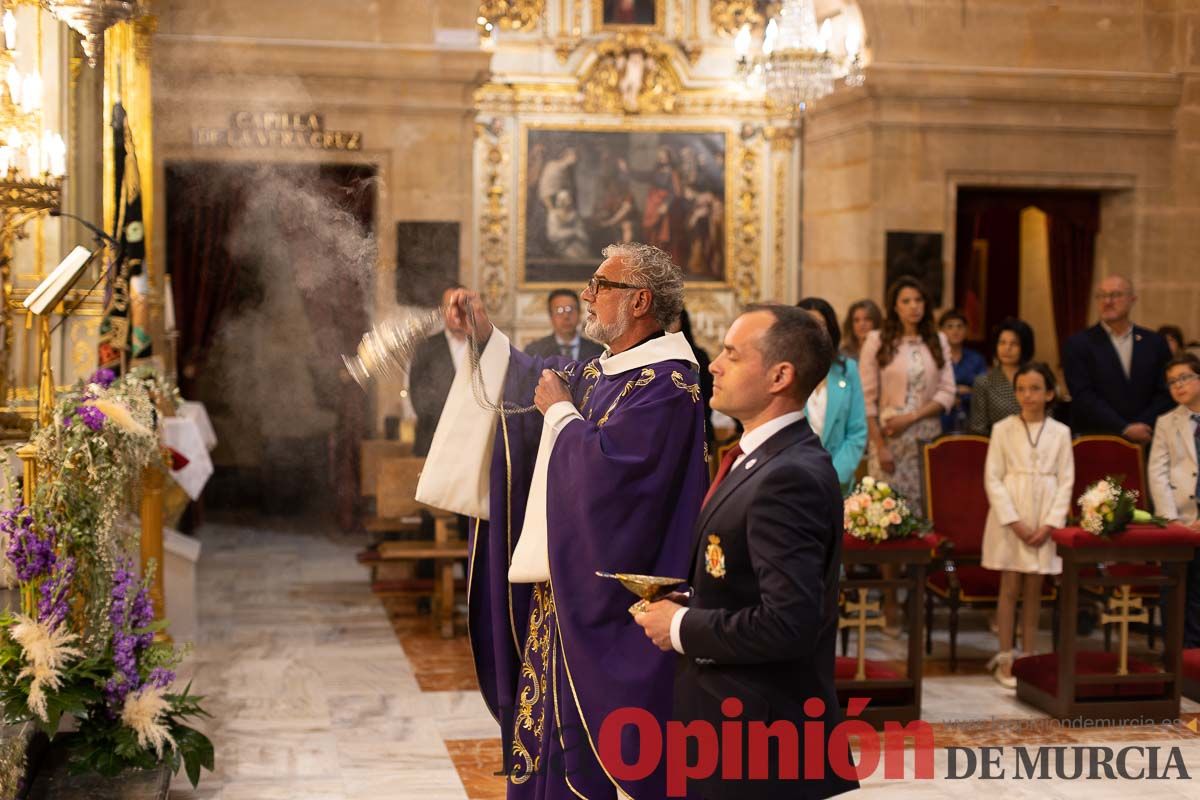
x,y
272,271
1027,254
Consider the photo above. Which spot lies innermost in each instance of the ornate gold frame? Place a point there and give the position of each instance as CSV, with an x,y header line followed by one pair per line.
x,y
659,26
733,147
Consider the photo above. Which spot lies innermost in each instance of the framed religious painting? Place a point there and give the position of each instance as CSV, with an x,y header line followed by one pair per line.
x,y
629,15
583,188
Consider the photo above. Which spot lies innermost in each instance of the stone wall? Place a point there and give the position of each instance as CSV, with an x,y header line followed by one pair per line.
x,y
401,72
1075,94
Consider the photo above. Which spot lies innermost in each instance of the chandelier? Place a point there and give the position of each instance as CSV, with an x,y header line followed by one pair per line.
x,y
797,66
32,160
91,18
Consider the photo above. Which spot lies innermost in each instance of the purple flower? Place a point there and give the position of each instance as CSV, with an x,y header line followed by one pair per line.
x,y
55,593
104,377
31,555
130,611
91,416
160,677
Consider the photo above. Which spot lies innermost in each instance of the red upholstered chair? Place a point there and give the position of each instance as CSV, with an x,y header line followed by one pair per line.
x,y
1097,457
957,505
1101,456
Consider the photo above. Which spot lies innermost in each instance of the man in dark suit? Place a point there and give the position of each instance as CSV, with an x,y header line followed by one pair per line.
x,y
429,379
563,305
762,621
1114,369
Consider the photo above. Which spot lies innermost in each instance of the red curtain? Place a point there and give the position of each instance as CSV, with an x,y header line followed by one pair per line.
x,y
200,216
1073,228
994,216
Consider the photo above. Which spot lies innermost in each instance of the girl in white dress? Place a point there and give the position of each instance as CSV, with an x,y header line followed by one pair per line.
x,y
1029,476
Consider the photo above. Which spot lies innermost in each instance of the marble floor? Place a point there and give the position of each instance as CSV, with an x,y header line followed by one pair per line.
x,y
320,691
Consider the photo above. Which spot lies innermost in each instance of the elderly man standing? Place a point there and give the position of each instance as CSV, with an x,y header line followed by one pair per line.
x,y
606,473
1114,369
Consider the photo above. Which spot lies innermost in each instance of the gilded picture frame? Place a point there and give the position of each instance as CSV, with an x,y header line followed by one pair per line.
x,y
603,16
667,185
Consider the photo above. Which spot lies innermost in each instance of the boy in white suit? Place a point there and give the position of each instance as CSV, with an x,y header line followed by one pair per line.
x,y
1173,471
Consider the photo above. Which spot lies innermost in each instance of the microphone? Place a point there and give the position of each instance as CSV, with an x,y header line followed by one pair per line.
x,y
97,232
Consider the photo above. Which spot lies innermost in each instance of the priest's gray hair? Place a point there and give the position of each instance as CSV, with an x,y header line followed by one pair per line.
x,y
651,268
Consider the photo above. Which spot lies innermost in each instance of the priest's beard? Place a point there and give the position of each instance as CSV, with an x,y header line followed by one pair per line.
x,y
607,334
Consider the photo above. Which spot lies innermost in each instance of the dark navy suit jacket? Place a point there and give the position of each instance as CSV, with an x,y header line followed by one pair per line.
x,y
1103,400
763,620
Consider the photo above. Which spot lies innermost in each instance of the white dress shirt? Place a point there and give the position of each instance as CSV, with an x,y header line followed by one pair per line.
x,y
751,441
1123,344
572,344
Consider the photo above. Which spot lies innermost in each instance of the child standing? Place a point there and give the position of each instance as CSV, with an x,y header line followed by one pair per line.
x,y
1172,470
1029,477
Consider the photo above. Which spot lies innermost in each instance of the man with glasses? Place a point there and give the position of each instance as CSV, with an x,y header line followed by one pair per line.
x,y
563,305
1114,369
596,466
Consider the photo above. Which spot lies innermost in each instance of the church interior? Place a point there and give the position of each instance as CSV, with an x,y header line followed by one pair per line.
x,y
202,491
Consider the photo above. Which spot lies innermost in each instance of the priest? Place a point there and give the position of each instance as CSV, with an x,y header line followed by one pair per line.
x,y
569,468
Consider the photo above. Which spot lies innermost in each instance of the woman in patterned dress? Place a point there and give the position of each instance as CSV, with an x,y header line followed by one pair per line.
x,y
908,383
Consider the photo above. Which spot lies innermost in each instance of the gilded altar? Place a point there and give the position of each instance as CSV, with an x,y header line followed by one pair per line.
x,y
604,122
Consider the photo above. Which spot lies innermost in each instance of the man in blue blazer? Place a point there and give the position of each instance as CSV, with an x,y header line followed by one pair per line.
x,y
762,621
1114,369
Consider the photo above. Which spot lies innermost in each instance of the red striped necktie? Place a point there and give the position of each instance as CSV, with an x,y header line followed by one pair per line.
x,y
731,455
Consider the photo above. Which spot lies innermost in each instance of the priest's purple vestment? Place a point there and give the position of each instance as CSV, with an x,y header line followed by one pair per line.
x,y
612,481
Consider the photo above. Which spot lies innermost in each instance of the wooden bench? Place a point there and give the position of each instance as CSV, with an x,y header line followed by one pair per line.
x,y
394,483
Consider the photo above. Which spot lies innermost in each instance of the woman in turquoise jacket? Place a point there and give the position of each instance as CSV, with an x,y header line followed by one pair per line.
x,y
836,410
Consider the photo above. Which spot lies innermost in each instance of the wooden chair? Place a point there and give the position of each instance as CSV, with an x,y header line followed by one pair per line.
x,y
957,505
395,484
1097,457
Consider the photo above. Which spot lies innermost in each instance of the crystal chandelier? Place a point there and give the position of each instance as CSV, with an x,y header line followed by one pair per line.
x,y
796,66
91,18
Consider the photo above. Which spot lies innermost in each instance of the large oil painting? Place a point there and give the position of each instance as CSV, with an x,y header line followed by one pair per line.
x,y
583,189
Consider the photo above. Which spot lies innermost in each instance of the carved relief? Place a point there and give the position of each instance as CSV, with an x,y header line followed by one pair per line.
x,y
747,229
728,16
631,74
493,218
513,15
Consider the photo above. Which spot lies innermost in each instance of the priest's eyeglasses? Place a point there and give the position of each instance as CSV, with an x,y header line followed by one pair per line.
x,y
597,283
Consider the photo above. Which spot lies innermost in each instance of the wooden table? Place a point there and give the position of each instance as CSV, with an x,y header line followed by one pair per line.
x,y
1088,684
893,697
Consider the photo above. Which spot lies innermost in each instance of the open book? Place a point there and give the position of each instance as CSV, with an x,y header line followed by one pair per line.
x,y
43,299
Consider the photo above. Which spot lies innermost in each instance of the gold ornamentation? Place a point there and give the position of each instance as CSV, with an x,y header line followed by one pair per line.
x,y
493,223
590,373
747,228
501,99
714,557
691,388
631,74
728,16
860,620
658,26
512,15
647,376
531,698
1123,607
781,195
